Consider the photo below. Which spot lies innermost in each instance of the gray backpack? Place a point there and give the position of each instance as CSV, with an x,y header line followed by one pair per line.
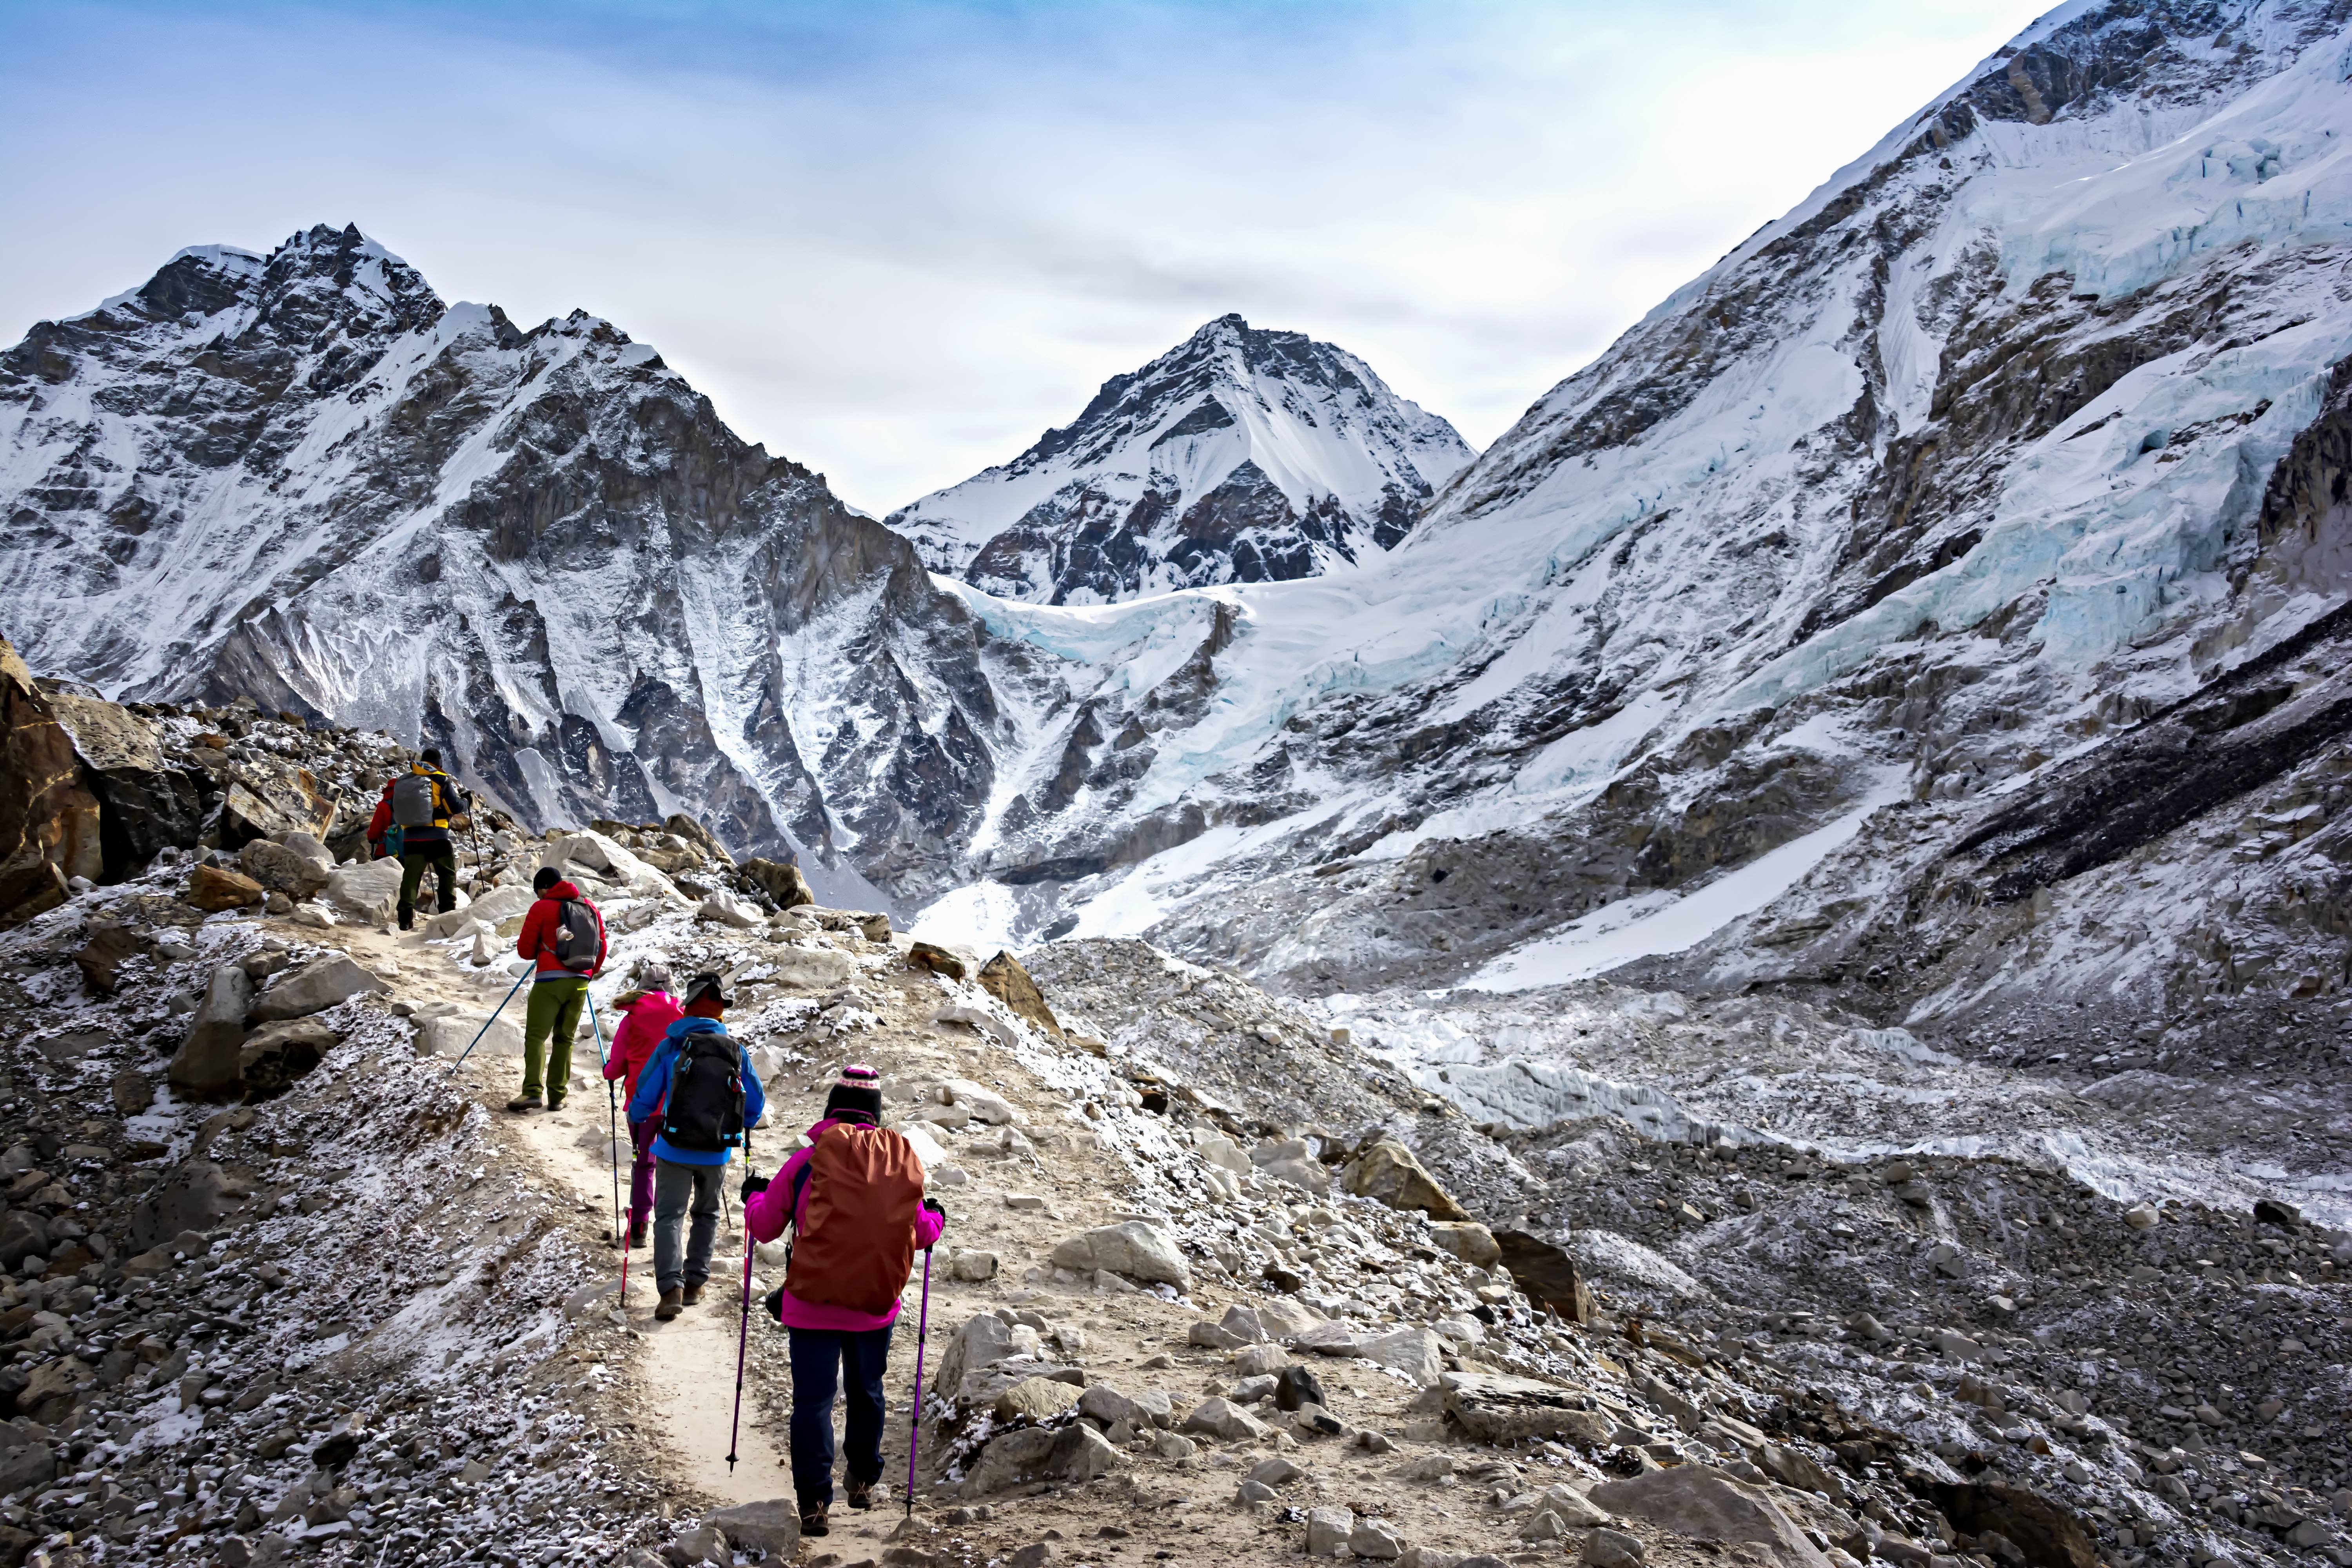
x,y
411,800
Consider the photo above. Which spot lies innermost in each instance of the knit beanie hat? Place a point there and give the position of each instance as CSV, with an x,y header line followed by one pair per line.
x,y
653,976
858,1091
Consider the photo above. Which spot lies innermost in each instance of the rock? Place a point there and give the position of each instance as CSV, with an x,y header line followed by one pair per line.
x,y
781,882
1080,1454
1389,1171
315,986
1792,1468
2271,1211
1374,1538
49,817
144,806
1003,978
1547,1273
1494,1407
1410,1351
133,1091
938,959
2049,1534
1328,1338
1169,1446
213,889
773,1526
1255,1491
1110,1406
985,1105
367,890
2140,1217
606,861
1295,1388
205,1066
1223,1154
1542,1525
22,1234
1035,1400
270,796
1306,1175
493,908
1036,1554
284,870
1575,1509
1612,1548
1010,1458
1701,1501
812,968
1467,1240
25,1462
1257,1360
1136,1249
1226,1422
1327,1529
981,1342
1275,1472
106,950
53,1388
723,908
275,1055
448,1034
971,1266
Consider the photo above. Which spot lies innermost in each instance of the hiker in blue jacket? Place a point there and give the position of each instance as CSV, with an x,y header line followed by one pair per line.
x,y
716,1097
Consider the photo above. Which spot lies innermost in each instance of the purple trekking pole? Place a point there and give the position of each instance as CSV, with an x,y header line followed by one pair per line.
x,y
743,1329
922,1337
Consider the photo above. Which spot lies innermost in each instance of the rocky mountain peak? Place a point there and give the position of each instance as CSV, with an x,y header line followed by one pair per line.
x,y
1240,454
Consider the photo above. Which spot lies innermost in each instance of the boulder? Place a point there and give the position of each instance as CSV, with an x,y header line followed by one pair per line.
x,y
1295,1388
1328,1338
280,869
1390,1173
773,1526
27,1463
275,1055
2049,1534
723,908
781,882
192,1199
1575,1509
54,1387
50,828
1467,1240
1226,1422
980,1019
813,968
1036,1400
205,1066
268,796
1136,1249
1327,1529
938,959
985,1105
602,858
1256,1361
144,806
1375,1538
215,888
1702,1502
22,1234
367,890
701,837
1003,978
493,907
1547,1273
1414,1352
1612,1548
1494,1408
1080,1454
981,1342
317,985
1010,1458
106,950
448,1034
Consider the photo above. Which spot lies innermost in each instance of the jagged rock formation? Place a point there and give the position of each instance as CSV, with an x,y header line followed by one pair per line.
x,y
1239,456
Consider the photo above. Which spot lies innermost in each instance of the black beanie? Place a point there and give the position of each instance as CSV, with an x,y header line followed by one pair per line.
x,y
858,1092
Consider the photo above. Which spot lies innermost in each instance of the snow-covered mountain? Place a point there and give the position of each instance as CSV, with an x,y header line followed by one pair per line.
x,y
1239,456
301,478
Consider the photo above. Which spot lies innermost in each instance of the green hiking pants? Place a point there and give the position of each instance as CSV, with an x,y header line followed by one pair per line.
x,y
548,1024
438,858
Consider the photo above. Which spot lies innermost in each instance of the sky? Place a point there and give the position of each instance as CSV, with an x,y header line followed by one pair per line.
x,y
896,242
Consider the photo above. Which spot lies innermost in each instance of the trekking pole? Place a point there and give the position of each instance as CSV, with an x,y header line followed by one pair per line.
x,y
486,1023
743,1328
922,1337
612,1131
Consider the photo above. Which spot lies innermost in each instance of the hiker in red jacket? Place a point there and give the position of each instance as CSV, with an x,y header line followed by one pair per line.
x,y
564,934
646,1013
854,1199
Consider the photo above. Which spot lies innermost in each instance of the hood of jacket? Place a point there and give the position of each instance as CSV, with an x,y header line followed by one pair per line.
x,y
561,891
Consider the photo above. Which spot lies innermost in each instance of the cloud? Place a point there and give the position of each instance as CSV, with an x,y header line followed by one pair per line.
x,y
898,241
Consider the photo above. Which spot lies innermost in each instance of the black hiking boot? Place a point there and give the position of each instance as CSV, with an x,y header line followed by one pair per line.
x,y
408,919
694,1293
670,1306
861,1494
521,1103
813,1519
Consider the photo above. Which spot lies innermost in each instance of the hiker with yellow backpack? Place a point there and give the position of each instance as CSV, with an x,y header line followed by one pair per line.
x,y
411,823
855,1200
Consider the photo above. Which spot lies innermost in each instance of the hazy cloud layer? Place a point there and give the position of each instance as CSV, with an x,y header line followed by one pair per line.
x,y
896,242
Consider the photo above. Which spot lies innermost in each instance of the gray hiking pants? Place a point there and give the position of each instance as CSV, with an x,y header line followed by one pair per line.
x,y
675,1187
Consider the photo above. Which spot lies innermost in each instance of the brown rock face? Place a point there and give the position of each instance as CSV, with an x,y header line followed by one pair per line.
x,y
938,959
48,817
781,882
1547,1273
1389,1171
211,888
1003,978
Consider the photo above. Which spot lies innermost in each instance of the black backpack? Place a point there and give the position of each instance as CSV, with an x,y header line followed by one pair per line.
x,y
413,800
706,1095
577,936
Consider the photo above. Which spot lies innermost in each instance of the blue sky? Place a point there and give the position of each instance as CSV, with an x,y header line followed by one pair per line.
x,y
896,242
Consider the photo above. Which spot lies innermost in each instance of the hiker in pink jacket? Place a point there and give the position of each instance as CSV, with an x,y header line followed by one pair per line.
x,y
828,1338
646,1013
